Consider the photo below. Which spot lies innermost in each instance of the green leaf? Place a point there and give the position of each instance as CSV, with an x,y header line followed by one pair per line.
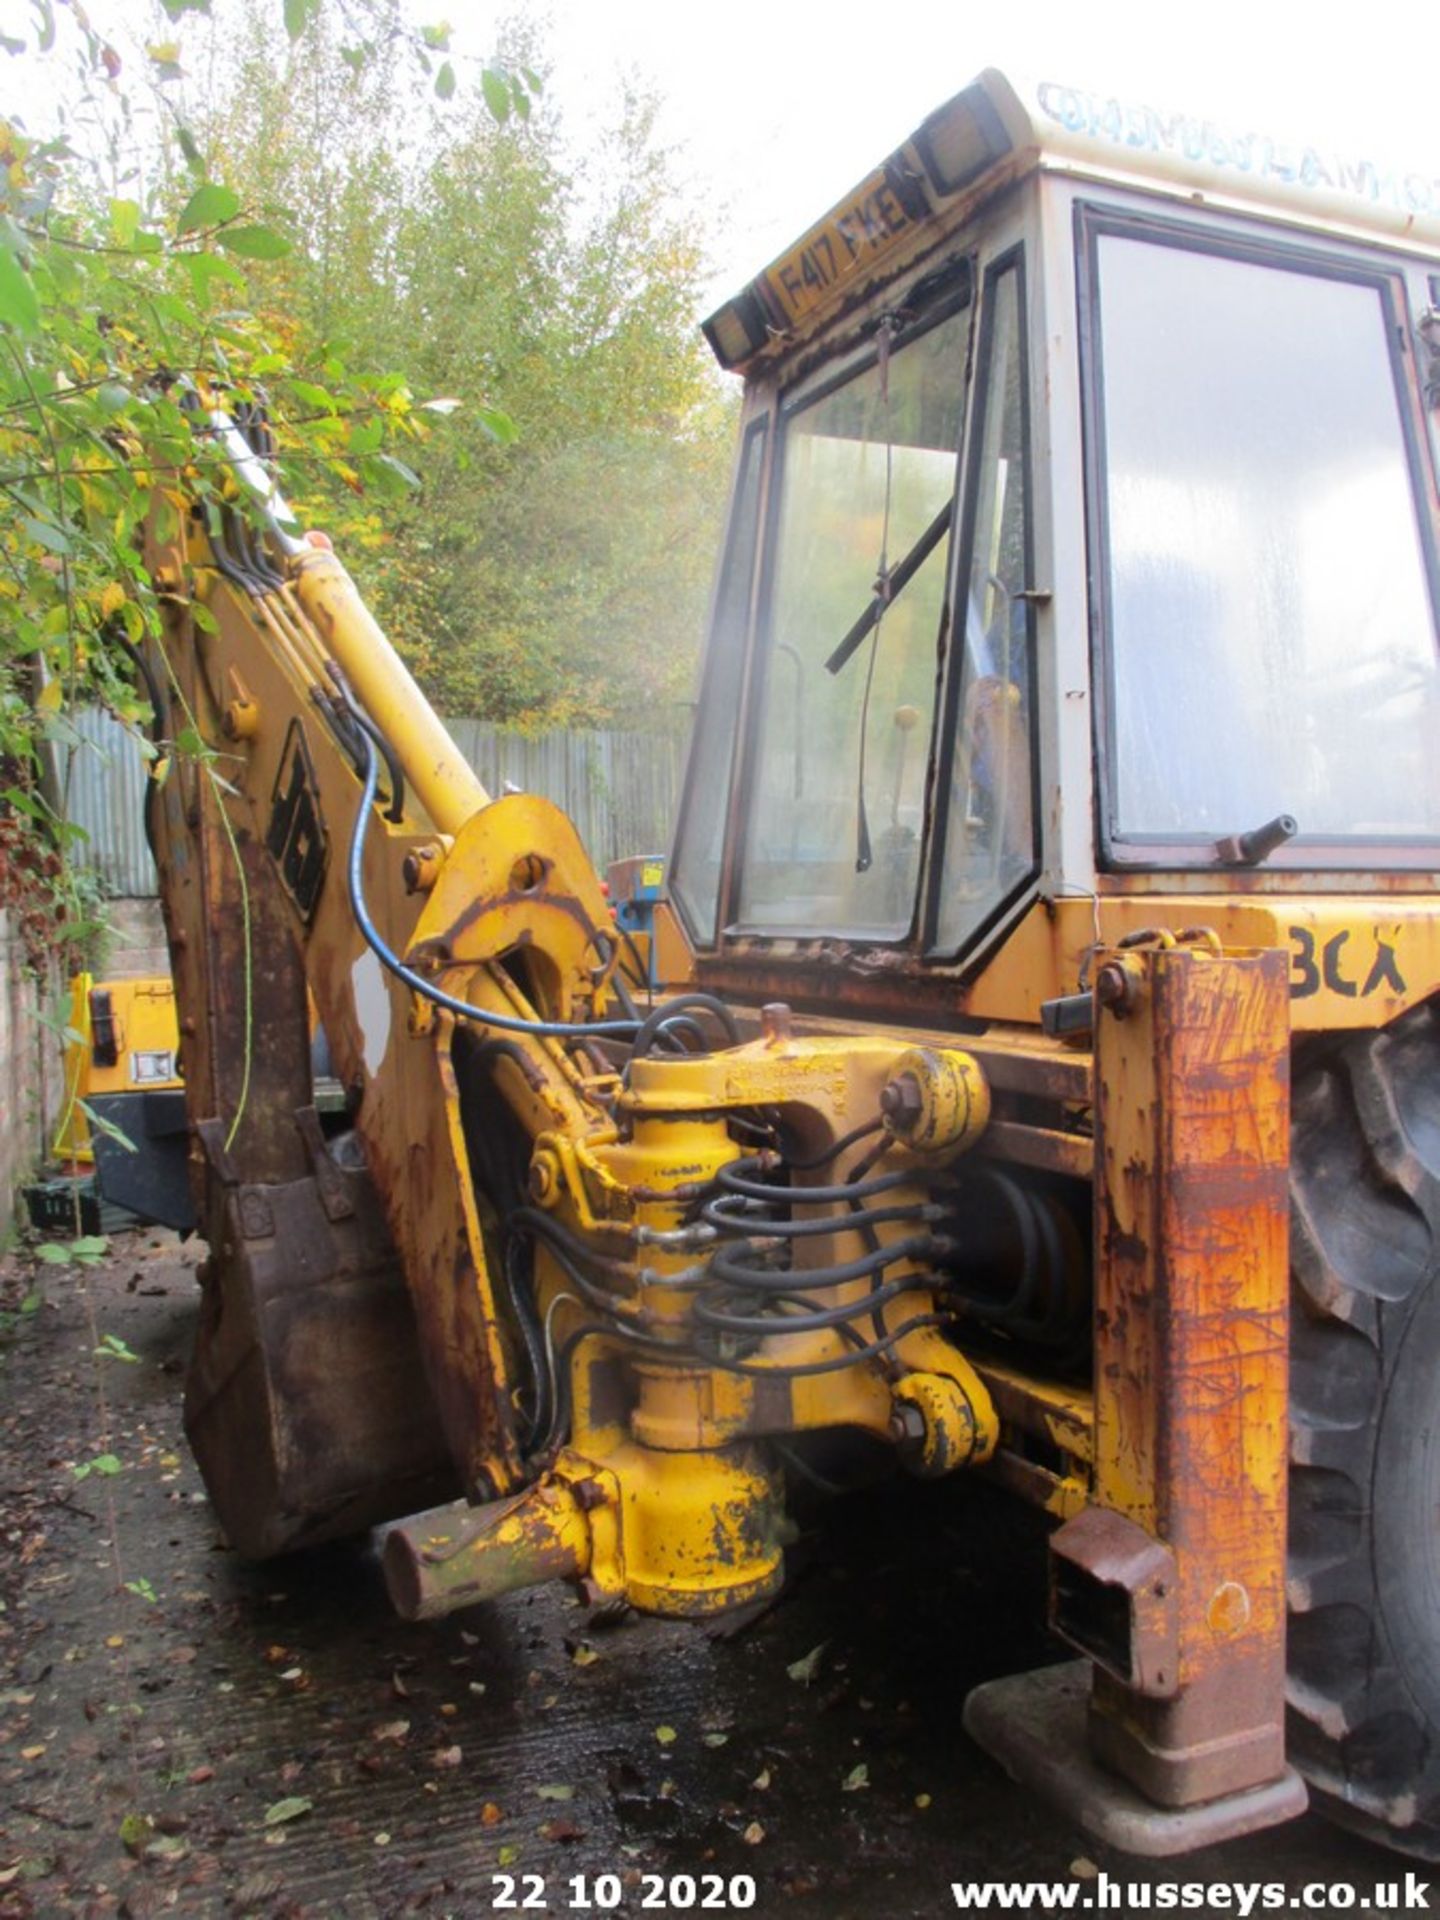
x,y
113,397
188,147
45,534
100,1124
445,81
309,395
498,425
805,1669
298,15
366,436
112,1347
141,1588
107,1464
19,307
497,94
136,1829
437,38
206,269
293,1808
209,206
254,243
31,1303
124,221
90,1246
176,8
407,474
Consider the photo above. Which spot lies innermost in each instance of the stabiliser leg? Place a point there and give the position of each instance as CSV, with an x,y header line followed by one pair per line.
x,y
1171,1583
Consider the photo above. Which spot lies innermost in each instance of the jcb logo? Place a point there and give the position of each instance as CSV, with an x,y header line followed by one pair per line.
x,y
1352,974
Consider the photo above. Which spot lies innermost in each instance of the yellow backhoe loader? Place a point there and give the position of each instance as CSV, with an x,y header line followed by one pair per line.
x,y
1046,1079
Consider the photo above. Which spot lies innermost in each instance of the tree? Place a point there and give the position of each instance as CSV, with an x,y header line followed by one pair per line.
x,y
557,574
137,293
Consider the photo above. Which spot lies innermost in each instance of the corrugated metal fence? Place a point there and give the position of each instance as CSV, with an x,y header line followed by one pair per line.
x,y
620,789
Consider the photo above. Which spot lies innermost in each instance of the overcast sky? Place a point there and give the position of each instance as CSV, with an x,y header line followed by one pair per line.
x,y
783,107
780,108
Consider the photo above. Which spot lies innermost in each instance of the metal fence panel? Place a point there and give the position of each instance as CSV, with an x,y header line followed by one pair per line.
x,y
620,789
106,778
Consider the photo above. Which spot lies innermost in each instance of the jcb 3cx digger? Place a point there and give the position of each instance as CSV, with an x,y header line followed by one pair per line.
x,y
1048,1081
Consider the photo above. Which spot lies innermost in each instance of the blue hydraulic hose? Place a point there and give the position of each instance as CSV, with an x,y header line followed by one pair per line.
x,y
503,1022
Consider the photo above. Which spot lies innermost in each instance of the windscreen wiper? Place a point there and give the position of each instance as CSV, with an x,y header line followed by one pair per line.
x,y
889,588
1249,849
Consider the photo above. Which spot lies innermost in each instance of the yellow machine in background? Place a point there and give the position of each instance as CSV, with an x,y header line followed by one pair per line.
x,y
1049,1084
121,1038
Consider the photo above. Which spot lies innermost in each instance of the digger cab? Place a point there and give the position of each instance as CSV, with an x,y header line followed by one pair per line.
x,y
1081,554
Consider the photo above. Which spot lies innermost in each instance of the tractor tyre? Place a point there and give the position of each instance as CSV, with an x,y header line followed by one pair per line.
x,y
1363,1687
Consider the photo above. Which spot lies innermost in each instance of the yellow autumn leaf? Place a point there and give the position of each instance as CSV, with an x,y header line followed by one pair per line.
x,y
50,696
112,599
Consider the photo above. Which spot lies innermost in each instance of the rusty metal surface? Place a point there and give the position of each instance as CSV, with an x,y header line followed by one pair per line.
x,y
1191,1364
305,1400
1361,951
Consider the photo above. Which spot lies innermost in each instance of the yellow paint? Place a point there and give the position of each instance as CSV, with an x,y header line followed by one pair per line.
x,y
147,1041
847,245
1353,962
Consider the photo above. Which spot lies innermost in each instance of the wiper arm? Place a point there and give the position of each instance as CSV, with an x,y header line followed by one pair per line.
x,y
1249,849
890,587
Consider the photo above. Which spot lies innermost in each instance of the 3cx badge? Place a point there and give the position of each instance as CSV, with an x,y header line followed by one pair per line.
x,y
1352,975
296,838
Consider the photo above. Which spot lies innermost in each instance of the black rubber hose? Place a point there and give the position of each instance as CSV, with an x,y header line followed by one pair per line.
x,y
734,1179
716,1214
527,1318
726,1266
820,1319
701,1002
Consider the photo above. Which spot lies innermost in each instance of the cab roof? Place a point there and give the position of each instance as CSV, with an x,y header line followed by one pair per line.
x,y
996,130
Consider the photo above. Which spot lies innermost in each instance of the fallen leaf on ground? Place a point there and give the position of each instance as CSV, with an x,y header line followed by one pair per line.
x,y
667,1736
137,1830
715,1739
805,1670
556,1793
561,1830
391,1730
293,1807
490,1815
448,1757
753,1834
857,1778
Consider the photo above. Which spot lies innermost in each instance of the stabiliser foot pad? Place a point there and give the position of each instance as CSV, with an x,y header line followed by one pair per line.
x,y
1034,1724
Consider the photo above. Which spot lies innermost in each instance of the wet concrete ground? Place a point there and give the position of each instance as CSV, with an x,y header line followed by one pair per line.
x,y
182,1733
